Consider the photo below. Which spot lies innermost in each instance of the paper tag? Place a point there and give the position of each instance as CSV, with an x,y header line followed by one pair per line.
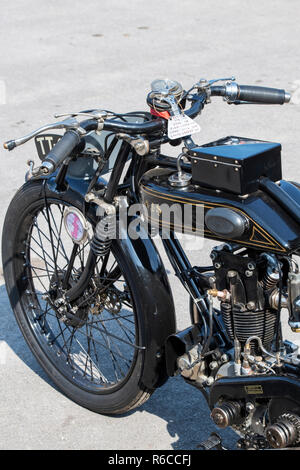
x,y
181,125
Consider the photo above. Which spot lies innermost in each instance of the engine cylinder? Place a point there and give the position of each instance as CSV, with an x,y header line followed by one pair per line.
x,y
243,324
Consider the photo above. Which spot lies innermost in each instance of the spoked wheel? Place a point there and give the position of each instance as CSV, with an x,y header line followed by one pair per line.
x,y
77,312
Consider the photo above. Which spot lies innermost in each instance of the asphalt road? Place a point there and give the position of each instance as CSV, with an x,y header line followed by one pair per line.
x,y
72,55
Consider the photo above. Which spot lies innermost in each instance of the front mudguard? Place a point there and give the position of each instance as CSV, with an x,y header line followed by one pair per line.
x,y
157,321
155,299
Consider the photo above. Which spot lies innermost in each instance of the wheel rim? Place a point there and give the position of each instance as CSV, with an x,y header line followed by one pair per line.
x,y
97,350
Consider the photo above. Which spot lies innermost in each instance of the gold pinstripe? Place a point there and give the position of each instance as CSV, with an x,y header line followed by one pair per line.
x,y
270,241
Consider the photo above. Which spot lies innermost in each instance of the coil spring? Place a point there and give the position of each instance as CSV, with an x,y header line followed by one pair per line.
x,y
104,234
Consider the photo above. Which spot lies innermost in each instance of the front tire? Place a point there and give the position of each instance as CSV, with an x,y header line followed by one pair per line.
x,y
98,361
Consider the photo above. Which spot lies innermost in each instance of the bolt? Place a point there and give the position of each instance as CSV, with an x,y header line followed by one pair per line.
x,y
249,273
249,407
217,265
251,266
213,365
250,305
224,358
209,381
231,274
218,419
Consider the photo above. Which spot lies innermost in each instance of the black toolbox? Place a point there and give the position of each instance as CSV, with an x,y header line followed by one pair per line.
x,y
235,164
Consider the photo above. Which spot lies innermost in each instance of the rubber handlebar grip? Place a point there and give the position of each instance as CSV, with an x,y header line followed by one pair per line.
x,y
259,94
63,148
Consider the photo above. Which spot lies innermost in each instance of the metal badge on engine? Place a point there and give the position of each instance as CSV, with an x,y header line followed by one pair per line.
x,y
75,225
254,389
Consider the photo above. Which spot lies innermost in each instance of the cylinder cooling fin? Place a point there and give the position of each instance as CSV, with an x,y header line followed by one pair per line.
x,y
243,324
248,283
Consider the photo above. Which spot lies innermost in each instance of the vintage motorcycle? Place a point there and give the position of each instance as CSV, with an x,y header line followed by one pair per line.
x,y
90,292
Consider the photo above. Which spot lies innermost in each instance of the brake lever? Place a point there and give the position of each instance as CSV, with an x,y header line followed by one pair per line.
x,y
93,114
204,85
68,124
230,79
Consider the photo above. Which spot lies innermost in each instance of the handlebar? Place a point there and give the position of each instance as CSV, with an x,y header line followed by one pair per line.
x,y
238,94
61,150
257,94
71,138
232,93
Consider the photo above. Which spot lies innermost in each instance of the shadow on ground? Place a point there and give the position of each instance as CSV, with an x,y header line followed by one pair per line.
x,y
181,406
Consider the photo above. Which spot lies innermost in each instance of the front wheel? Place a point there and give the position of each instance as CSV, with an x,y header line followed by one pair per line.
x,y
94,355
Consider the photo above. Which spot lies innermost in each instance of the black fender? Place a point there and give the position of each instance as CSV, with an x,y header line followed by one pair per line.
x,y
155,299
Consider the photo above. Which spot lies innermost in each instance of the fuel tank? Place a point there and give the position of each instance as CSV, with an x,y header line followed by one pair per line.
x,y
257,220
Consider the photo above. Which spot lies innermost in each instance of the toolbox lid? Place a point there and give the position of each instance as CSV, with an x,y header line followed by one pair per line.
x,y
236,164
237,151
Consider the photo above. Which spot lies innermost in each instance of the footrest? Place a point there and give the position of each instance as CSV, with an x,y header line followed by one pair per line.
x,y
213,442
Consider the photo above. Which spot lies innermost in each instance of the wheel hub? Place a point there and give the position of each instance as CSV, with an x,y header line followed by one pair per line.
x,y
72,315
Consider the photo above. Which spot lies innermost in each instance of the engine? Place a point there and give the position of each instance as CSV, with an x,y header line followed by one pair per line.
x,y
247,291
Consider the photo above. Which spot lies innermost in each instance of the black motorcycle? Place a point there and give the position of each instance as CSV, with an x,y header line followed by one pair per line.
x,y
91,294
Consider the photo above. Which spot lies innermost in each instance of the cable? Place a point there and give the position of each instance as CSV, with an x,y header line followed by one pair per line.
x,y
277,327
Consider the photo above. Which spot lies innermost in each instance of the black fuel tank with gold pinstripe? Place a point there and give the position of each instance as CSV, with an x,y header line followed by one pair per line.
x,y
269,227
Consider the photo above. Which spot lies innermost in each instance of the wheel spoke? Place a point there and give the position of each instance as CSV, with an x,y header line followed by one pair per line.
x,y
48,239
52,233
95,347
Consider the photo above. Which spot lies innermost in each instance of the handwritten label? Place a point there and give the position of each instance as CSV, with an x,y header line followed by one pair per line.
x,y
181,125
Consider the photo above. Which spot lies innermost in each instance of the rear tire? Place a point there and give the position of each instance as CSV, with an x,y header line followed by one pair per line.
x,y
20,278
